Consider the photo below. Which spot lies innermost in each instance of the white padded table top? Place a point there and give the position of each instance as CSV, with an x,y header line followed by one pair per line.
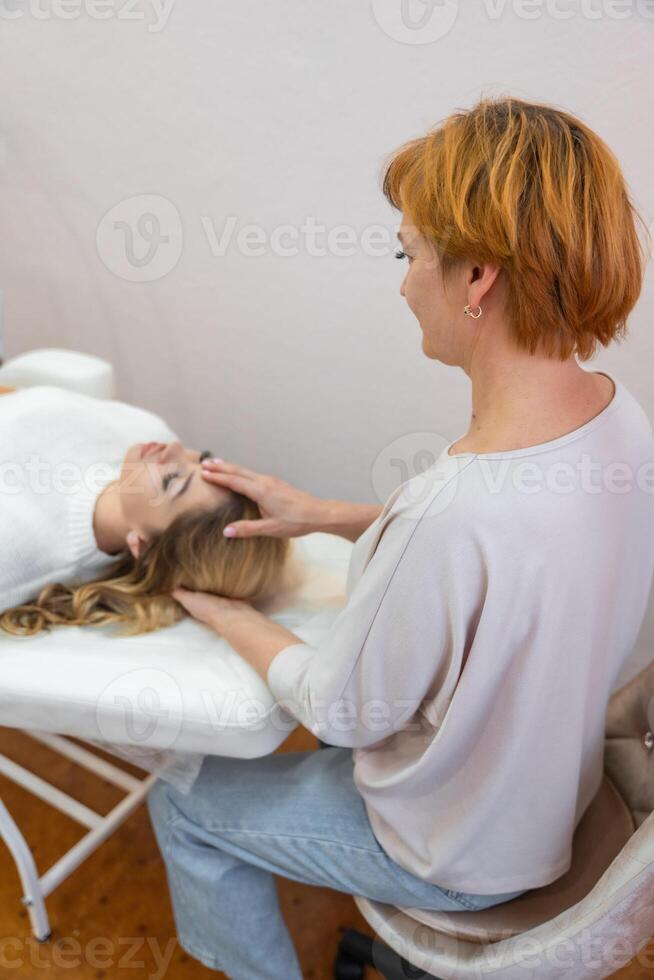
x,y
183,688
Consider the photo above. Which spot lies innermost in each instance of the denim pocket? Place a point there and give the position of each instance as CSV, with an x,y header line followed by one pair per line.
x,y
462,899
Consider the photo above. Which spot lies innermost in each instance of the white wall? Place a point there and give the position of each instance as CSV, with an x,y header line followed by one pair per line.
x,y
307,366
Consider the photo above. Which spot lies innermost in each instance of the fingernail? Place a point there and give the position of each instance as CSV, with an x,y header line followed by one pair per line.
x,y
214,459
229,532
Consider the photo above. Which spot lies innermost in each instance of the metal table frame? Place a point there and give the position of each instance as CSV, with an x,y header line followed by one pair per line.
x,y
37,888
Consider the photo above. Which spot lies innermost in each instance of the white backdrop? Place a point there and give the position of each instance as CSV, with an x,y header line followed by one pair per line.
x,y
138,140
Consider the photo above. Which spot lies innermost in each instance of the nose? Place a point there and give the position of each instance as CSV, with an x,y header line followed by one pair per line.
x,y
402,292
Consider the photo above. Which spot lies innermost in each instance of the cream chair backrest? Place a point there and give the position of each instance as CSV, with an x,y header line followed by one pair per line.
x,y
629,746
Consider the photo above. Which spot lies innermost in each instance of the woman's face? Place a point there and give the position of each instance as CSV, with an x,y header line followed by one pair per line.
x,y
447,334
422,288
158,481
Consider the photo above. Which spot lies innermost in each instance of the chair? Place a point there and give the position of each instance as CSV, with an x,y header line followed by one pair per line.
x,y
590,922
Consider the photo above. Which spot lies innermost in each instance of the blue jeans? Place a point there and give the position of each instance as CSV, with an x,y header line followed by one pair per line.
x,y
294,814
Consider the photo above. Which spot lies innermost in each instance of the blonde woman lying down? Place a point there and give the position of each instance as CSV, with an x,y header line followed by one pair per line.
x,y
104,512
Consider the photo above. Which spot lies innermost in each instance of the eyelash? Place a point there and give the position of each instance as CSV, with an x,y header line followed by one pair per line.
x,y
401,255
168,479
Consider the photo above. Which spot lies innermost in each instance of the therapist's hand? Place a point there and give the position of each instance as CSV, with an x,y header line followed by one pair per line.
x,y
286,511
253,635
213,610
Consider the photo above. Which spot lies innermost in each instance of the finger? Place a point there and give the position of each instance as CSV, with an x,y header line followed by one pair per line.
x,y
249,529
215,467
183,596
241,484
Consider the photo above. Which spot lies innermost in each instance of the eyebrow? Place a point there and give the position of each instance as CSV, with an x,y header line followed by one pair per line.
x,y
184,488
399,235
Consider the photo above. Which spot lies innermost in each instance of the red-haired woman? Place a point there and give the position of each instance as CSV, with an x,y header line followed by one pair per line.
x,y
463,687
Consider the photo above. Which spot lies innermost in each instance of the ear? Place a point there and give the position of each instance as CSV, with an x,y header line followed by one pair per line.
x,y
481,276
136,543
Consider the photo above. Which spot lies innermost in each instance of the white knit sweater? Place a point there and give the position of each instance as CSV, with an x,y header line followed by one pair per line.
x,y
58,450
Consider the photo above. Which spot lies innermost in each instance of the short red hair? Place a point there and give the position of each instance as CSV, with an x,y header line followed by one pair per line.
x,y
530,188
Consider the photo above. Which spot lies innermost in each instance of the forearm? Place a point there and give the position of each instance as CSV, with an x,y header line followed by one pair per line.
x,y
346,519
256,638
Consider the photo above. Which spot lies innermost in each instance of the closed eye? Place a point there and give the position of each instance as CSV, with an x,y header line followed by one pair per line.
x,y
400,254
167,480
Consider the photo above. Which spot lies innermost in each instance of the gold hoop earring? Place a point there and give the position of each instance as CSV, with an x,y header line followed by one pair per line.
x,y
468,312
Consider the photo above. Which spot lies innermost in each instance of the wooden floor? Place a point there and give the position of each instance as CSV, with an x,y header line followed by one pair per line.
x,y
113,918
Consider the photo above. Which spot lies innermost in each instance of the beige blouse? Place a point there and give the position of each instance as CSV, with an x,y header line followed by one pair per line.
x,y
490,609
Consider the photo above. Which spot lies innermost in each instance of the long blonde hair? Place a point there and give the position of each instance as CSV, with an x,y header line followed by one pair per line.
x,y
135,593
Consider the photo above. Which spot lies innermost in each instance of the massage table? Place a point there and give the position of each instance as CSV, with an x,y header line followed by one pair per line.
x,y
163,700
